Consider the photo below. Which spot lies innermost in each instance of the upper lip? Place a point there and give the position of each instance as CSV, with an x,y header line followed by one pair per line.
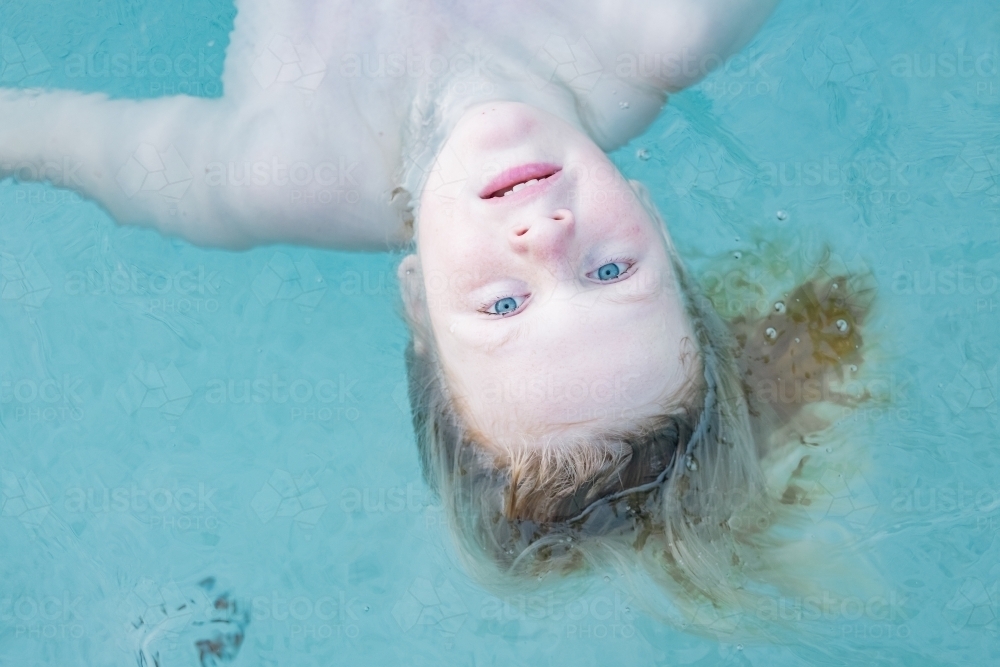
x,y
511,177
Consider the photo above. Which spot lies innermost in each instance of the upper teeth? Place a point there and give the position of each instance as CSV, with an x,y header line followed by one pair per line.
x,y
519,186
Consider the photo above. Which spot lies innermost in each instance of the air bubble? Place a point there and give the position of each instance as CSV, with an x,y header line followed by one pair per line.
x,y
782,215
771,333
780,307
798,340
643,154
623,105
739,647
854,369
691,463
737,255
843,326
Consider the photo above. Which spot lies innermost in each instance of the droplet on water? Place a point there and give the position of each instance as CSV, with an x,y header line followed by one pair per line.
x,y
771,333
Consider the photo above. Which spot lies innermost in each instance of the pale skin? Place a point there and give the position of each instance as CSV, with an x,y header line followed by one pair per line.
x,y
309,152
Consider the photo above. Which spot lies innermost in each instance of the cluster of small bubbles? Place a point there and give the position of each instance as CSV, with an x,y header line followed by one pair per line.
x,y
643,154
771,333
623,105
780,307
782,215
691,463
842,326
737,255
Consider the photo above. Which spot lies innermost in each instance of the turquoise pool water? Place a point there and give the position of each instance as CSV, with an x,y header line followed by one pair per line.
x,y
198,445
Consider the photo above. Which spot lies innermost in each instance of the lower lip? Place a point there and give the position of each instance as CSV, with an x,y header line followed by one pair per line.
x,y
543,171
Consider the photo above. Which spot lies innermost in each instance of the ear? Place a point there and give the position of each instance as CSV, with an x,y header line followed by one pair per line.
x,y
411,288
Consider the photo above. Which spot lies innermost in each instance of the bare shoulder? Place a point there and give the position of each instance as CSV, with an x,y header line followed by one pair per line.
x,y
621,58
674,43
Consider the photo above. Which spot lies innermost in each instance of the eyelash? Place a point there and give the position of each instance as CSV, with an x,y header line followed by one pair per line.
x,y
624,274
485,307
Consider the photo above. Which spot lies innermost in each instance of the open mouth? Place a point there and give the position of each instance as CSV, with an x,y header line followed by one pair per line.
x,y
519,178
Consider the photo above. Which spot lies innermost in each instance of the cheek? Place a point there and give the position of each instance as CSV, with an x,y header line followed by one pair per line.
x,y
453,265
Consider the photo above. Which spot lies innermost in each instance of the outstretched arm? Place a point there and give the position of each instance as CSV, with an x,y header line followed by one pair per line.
x,y
135,158
214,171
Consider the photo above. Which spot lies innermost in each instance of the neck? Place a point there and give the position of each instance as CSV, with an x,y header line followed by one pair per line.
x,y
439,102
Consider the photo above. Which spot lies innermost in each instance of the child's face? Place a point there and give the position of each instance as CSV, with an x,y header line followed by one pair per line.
x,y
555,309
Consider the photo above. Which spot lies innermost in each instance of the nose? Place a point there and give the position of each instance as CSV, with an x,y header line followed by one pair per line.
x,y
546,236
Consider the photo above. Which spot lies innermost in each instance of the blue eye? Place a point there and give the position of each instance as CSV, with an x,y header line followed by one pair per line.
x,y
611,271
505,306
508,305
